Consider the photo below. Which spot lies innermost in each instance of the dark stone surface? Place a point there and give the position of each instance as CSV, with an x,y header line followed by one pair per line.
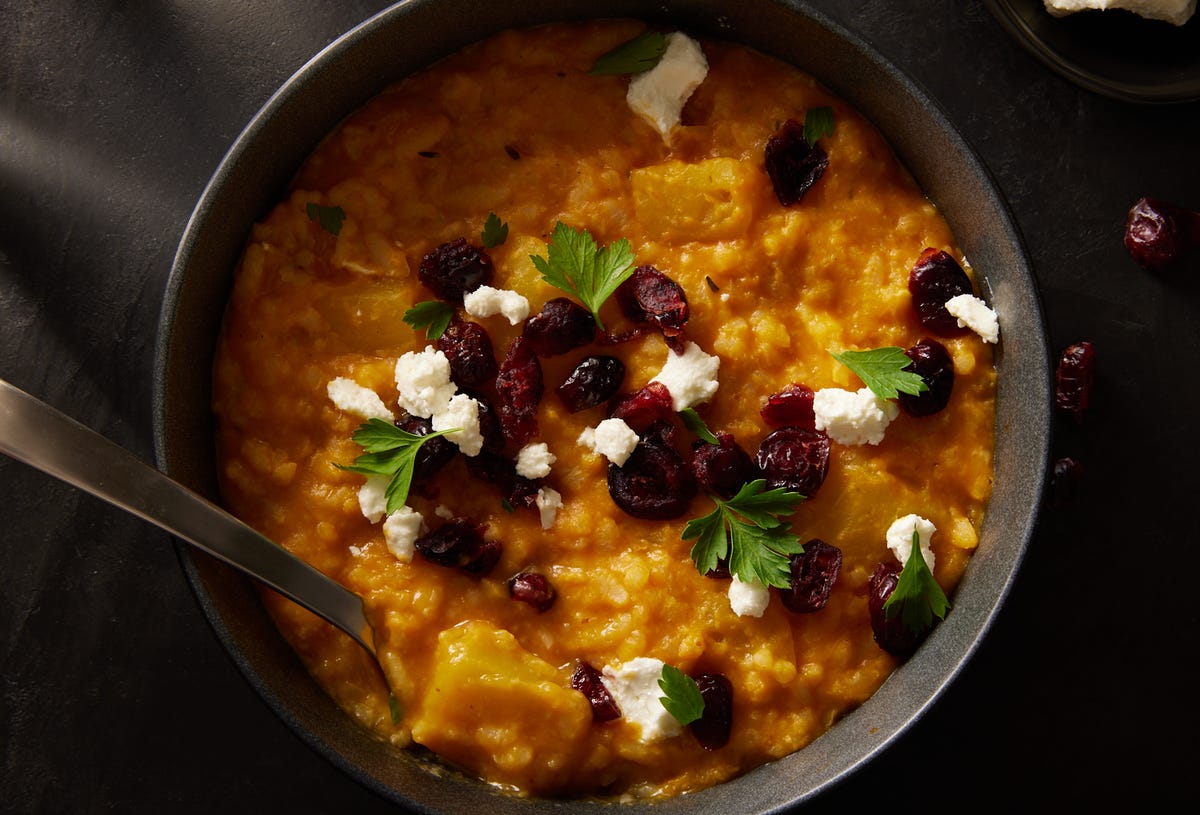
x,y
117,696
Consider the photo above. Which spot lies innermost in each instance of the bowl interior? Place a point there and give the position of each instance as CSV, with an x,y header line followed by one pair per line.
x,y
412,34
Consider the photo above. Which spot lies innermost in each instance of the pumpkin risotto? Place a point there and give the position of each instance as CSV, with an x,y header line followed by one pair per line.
x,y
602,578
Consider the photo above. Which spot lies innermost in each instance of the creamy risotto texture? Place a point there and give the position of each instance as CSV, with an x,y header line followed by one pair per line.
x,y
580,539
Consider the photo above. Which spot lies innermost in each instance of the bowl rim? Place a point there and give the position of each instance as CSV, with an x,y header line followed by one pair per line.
x,y
181,406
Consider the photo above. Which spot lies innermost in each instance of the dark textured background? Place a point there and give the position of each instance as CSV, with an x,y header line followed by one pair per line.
x,y
117,696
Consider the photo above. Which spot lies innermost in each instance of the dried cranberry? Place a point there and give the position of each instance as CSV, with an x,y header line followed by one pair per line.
x,y
791,407
723,467
1066,479
1073,379
796,459
643,407
932,362
792,163
814,572
586,680
532,588
935,278
713,727
432,455
1158,234
650,296
654,483
891,634
610,338
594,381
561,326
469,349
501,472
460,544
455,268
519,389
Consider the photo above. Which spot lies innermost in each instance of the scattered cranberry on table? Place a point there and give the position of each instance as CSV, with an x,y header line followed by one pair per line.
x,y
1159,234
1073,379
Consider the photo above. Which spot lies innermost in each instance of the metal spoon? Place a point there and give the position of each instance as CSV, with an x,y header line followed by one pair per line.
x,y
35,433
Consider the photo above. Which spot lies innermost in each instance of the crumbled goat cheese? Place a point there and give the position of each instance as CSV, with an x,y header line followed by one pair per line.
x,y
899,538
658,95
534,460
748,599
400,532
1176,12
372,497
423,379
348,395
612,438
549,502
444,512
634,687
974,314
486,301
853,417
462,412
691,377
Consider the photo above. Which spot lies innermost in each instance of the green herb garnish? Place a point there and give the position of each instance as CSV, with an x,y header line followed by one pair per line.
x,y
330,218
693,422
917,597
818,122
683,699
575,264
882,370
495,231
632,57
432,315
748,530
389,451
395,709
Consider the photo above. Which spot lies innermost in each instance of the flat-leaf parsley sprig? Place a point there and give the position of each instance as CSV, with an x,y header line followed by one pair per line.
x,y
683,699
882,370
575,264
389,451
632,56
748,530
917,597
432,315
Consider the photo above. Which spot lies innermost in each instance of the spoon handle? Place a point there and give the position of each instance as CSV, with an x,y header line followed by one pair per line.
x,y
35,433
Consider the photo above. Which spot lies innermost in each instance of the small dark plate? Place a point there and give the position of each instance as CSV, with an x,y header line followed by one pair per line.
x,y
1115,53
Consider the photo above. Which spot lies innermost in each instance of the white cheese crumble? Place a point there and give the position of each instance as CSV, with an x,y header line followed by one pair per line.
x,y
372,498
658,95
486,301
549,502
534,460
462,412
853,417
974,314
444,512
748,599
1176,12
899,538
634,687
348,395
423,379
691,377
612,438
400,532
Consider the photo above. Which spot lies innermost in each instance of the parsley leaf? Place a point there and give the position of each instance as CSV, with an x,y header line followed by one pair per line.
x,y
917,597
882,370
683,699
747,529
576,265
389,451
693,422
495,231
818,122
632,57
432,315
395,708
330,218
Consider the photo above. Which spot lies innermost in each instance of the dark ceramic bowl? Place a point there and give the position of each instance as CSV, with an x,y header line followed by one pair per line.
x,y
408,36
